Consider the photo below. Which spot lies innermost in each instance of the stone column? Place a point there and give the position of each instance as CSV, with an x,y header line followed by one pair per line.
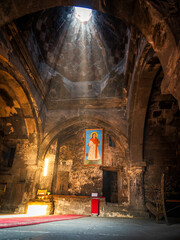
x,y
136,188
55,171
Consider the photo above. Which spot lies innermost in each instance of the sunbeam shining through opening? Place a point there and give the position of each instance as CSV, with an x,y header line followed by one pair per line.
x,y
85,59
83,14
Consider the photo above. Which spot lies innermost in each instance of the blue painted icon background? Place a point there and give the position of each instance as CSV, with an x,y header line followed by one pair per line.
x,y
88,137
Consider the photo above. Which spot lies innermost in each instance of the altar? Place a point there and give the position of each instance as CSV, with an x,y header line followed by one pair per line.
x,y
71,204
62,204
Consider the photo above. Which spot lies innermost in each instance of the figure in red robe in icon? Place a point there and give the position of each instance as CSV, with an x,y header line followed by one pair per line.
x,y
93,144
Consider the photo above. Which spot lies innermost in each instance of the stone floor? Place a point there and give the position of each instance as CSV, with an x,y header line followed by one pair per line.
x,y
95,228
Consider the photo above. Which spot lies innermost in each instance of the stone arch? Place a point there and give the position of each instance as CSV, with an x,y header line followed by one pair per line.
x,y
139,104
67,129
63,148
7,82
14,81
161,142
151,24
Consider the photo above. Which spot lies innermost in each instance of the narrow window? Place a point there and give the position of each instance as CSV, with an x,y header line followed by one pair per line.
x,y
46,166
111,142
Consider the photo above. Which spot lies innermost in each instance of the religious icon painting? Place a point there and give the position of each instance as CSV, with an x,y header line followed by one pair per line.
x,y
93,147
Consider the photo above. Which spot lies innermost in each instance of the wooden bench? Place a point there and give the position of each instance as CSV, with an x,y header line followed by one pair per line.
x,y
163,204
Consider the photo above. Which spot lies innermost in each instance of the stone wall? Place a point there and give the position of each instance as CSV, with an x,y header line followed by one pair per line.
x,y
161,143
72,205
20,128
46,182
72,176
21,177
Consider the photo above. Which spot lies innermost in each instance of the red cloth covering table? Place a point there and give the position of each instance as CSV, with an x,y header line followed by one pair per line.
x,y
95,206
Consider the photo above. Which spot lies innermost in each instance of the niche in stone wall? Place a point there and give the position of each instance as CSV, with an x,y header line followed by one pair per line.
x,y
7,156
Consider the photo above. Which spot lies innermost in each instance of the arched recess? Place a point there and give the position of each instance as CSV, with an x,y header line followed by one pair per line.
x,y
139,13
63,148
161,142
19,135
70,126
14,83
11,78
8,83
139,104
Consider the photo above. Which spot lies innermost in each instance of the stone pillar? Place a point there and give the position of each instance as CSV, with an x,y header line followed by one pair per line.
x,y
55,171
136,188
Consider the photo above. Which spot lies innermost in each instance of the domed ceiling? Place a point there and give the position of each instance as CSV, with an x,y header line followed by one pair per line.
x,y
80,51
84,59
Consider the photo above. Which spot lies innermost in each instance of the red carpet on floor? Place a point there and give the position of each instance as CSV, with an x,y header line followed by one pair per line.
x,y
24,221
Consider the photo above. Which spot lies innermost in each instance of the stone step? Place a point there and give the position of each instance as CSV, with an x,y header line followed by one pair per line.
x,y
115,207
120,210
114,210
115,214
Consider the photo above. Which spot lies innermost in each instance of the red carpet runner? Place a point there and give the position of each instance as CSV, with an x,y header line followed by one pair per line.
x,y
24,221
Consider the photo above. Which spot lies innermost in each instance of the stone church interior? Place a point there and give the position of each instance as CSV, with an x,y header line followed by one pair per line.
x,y
62,75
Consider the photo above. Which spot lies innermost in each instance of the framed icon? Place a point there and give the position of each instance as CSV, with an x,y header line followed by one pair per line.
x,y
93,147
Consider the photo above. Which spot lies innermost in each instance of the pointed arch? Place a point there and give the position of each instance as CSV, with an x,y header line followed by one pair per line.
x,y
67,128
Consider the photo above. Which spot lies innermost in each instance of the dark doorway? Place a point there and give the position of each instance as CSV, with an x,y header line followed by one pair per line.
x,y
110,188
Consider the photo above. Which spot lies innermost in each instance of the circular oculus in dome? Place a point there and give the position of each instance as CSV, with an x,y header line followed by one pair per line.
x,y
83,14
